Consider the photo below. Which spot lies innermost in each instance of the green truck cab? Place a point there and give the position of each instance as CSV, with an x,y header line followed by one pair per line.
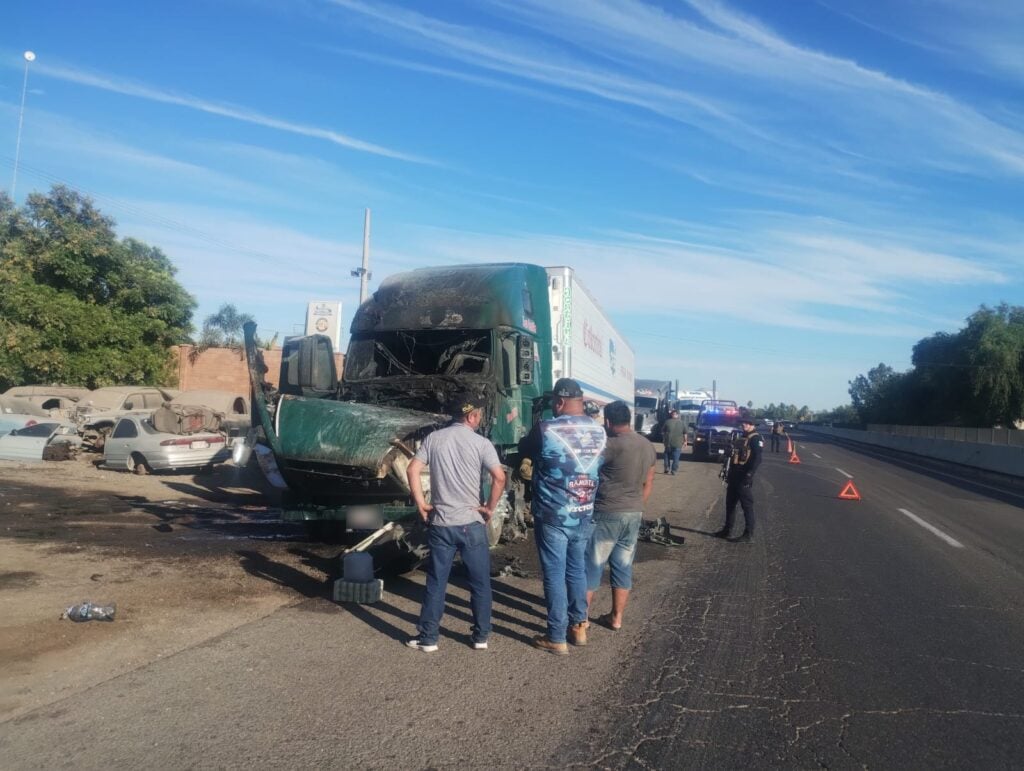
x,y
343,447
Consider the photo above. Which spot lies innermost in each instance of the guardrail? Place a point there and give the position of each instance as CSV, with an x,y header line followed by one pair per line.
x,y
1005,459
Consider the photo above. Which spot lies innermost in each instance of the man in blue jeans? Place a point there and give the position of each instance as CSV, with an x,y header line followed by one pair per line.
x,y
625,483
456,520
566,453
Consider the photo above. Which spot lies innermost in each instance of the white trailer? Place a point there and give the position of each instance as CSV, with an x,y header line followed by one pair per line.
x,y
585,344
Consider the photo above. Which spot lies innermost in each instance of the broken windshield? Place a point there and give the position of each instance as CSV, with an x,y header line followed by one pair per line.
x,y
453,352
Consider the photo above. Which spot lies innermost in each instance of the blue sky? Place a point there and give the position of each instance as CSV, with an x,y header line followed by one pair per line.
x,y
772,196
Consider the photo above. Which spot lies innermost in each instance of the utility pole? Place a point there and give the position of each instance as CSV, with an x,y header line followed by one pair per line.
x,y
29,57
364,273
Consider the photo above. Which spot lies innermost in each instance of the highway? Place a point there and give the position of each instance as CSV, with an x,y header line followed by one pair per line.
x,y
881,632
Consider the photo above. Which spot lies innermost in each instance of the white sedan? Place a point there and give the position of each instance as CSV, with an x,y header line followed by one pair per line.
x,y
135,445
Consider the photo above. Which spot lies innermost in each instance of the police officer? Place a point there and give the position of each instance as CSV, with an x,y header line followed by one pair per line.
x,y
739,481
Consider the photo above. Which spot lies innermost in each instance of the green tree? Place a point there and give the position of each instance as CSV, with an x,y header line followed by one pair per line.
x,y
78,305
224,329
994,342
869,392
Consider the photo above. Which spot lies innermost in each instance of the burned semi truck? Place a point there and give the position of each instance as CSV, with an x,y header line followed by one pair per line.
x,y
504,332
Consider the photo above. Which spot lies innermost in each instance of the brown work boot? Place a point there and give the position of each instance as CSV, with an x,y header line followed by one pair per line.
x,y
544,644
578,633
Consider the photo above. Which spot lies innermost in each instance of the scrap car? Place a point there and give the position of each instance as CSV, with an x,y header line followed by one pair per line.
x,y
135,444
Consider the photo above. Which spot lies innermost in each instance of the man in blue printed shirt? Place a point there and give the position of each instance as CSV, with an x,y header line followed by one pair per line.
x,y
566,454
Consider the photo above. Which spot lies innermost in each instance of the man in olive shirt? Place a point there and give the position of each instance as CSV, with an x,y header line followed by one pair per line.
x,y
673,436
625,481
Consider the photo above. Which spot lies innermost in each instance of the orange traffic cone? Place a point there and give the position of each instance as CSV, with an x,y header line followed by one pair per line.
x,y
789,445
793,458
849,493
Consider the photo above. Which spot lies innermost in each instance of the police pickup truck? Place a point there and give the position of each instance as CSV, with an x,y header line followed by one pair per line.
x,y
713,429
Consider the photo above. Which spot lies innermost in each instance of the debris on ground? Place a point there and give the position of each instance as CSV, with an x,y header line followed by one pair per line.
x,y
90,611
659,531
513,567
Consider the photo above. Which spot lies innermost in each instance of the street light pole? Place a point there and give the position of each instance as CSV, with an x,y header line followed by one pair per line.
x,y
29,57
363,273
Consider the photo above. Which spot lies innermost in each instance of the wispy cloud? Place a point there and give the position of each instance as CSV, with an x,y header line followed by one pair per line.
x,y
736,56
234,112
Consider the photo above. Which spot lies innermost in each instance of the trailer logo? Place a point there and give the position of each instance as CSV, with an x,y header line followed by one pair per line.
x,y
592,340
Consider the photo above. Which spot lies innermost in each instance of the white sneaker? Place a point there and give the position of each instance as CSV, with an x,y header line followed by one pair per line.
x,y
480,646
418,644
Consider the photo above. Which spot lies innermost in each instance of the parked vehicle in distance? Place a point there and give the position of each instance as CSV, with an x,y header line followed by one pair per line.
x,y
99,410
652,399
18,412
30,442
135,445
713,429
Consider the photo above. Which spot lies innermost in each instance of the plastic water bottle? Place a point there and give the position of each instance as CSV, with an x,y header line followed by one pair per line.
x,y
91,611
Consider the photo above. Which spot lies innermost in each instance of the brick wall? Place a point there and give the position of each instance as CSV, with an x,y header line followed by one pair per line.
x,y
222,369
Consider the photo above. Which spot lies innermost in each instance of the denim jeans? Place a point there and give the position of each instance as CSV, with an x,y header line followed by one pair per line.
x,y
470,541
672,458
563,552
613,544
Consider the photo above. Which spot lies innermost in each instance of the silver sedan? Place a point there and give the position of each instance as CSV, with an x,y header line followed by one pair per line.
x,y
135,445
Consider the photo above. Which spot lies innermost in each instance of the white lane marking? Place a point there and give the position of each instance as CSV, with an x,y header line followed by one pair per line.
x,y
932,529
848,476
816,455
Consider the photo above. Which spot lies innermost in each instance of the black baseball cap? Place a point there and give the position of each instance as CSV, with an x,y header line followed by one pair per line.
x,y
464,404
746,419
567,388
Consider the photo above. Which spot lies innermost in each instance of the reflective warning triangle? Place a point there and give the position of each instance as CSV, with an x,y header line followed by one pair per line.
x,y
794,458
849,493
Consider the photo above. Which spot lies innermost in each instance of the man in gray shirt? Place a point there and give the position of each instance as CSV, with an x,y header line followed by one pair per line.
x,y
625,482
456,520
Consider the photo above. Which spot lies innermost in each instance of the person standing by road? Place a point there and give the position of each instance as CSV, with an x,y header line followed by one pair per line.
x,y
739,480
456,520
673,437
565,451
777,431
624,485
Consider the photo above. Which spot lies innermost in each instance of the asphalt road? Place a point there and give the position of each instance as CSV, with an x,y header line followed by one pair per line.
x,y
884,632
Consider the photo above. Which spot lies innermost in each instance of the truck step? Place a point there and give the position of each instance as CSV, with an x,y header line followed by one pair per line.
x,y
362,592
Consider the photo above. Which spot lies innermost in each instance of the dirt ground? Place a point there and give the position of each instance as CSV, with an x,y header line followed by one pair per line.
x,y
207,548
185,557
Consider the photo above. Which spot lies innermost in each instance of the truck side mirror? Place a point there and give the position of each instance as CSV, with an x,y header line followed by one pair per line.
x,y
524,359
692,425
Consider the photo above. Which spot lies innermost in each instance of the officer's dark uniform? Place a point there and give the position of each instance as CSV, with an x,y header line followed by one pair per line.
x,y
776,436
746,457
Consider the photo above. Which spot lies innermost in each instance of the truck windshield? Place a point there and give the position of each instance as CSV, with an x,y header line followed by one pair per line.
x,y
458,352
646,403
